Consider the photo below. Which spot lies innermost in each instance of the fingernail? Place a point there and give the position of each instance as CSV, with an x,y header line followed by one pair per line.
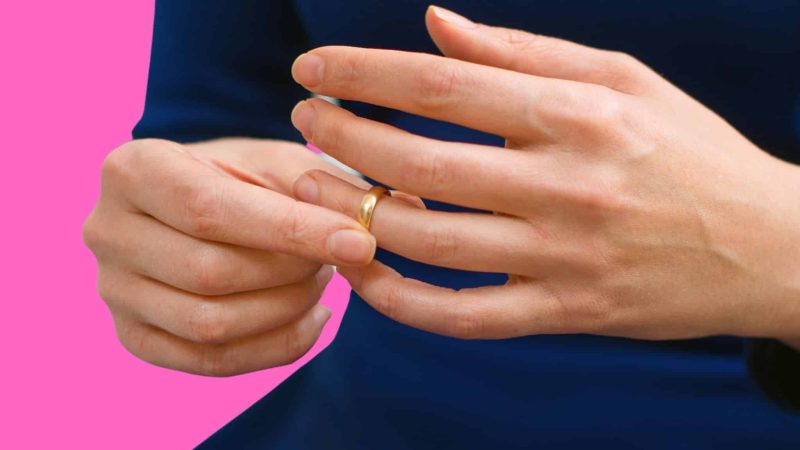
x,y
306,189
352,246
307,69
412,200
451,17
303,118
324,275
322,314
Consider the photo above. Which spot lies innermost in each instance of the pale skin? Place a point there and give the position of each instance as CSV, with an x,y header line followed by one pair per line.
x,y
621,207
205,261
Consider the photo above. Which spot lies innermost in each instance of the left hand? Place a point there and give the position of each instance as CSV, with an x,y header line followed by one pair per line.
x,y
622,206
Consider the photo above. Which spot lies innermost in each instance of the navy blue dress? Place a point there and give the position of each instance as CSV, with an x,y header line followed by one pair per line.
x,y
221,68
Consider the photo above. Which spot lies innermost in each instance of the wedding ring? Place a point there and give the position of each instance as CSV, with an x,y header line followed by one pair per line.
x,y
368,203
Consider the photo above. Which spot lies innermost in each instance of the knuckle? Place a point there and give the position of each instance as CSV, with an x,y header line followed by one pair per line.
x,y
348,70
520,40
607,111
464,322
121,161
608,195
389,302
93,234
435,89
213,361
596,313
294,229
211,272
624,70
106,287
133,340
128,158
532,47
578,311
606,116
626,63
330,134
208,323
439,244
203,206
115,164
430,169
598,202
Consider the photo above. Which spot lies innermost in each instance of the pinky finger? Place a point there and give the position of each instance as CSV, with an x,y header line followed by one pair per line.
x,y
278,347
518,308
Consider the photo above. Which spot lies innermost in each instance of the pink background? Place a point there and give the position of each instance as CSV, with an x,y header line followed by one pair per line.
x,y
73,83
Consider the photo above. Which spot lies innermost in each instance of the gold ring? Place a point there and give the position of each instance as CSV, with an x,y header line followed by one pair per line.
x,y
368,203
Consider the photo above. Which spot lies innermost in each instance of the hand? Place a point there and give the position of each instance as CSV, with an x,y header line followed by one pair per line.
x,y
622,206
206,263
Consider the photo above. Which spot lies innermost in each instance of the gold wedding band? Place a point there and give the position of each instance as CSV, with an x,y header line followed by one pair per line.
x,y
368,203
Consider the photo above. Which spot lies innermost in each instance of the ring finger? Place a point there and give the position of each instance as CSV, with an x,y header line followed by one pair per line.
x,y
209,320
466,241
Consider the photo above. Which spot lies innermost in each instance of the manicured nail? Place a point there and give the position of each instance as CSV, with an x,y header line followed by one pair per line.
x,y
307,69
303,118
306,189
352,246
412,200
324,275
322,314
451,17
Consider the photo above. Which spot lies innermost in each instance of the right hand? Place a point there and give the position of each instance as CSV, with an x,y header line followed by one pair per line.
x,y
206,262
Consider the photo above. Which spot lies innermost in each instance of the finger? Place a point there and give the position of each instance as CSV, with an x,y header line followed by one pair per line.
x,y
506,103
202,267
410,200
491,312
207,320
277,347
174,187
457,173
268,163
466,241
539,55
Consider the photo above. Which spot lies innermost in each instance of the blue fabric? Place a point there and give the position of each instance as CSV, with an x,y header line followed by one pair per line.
x,y
221,68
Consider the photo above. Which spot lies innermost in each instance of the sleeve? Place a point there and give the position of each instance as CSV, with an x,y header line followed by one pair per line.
x,y
776,369
222,68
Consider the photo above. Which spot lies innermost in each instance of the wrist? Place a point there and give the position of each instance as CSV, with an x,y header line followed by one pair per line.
x,y
782,259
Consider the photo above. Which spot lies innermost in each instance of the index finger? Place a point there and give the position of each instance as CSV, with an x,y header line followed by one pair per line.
x,y
490,99
177,189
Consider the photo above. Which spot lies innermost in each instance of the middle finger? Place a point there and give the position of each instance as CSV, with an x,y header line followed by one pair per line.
x,y
210,320
458,173
502,102
202,267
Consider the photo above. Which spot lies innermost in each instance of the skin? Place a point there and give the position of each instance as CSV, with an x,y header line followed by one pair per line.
x,y
206,262
621,205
